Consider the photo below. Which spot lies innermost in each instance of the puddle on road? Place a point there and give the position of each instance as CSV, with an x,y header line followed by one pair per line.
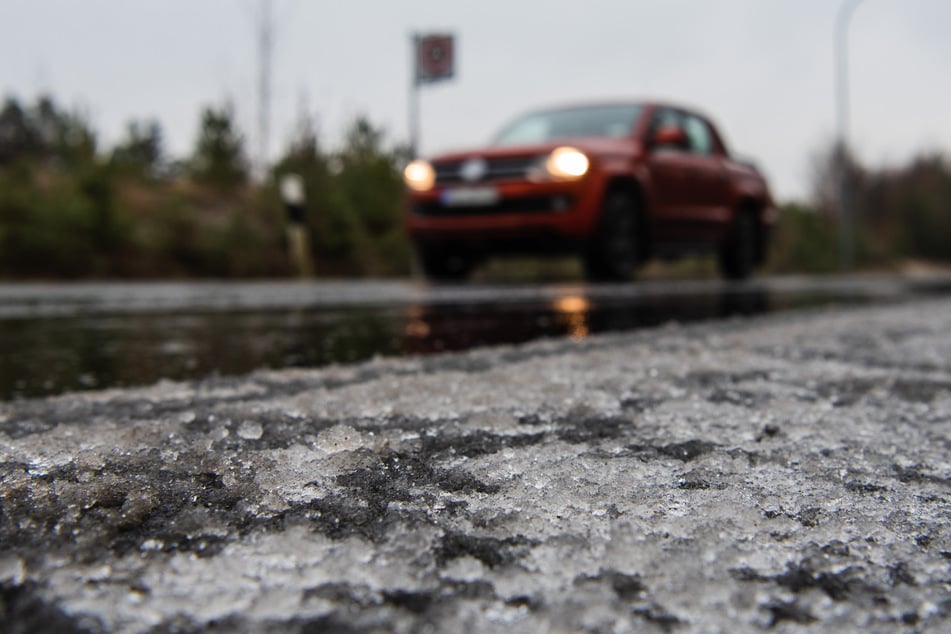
x,y
41,356
45,356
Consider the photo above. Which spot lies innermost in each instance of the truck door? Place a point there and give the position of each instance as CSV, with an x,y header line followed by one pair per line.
x,y
709,186
670,191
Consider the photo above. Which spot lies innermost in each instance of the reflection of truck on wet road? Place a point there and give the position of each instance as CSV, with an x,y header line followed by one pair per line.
x,y
616,183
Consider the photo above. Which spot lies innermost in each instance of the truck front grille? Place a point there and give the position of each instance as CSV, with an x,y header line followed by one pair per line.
x,y
498,169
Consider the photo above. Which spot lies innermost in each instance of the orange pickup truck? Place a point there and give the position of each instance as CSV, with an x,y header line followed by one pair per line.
x,y
616,183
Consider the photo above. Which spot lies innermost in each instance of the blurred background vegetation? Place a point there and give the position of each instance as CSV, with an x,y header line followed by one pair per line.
x,y
70,208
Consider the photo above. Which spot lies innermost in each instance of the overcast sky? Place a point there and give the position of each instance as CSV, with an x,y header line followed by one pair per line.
x,y
762,69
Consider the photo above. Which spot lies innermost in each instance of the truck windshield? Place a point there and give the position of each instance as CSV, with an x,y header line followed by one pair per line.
x,y
550,125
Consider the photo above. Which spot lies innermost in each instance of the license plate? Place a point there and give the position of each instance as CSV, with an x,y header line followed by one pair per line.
x,y
470,197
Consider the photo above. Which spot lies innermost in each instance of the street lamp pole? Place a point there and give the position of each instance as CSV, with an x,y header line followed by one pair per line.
x,y
846,221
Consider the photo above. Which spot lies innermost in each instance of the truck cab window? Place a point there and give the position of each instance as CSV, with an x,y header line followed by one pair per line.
x,y
701,141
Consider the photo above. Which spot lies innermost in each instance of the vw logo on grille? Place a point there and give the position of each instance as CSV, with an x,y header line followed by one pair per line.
x,y
473,170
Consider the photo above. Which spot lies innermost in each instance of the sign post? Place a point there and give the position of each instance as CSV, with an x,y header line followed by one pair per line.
x,y
433,61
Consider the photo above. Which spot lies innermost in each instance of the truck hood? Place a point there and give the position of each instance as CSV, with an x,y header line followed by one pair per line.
x,y
593,146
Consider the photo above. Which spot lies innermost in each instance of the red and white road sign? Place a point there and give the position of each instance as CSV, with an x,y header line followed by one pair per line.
x,y
435,58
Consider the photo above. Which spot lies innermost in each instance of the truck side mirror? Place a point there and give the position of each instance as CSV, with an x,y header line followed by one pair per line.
x,y
670,136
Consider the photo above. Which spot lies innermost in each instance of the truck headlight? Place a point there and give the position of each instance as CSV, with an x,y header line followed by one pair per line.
x,y
567,163
419,176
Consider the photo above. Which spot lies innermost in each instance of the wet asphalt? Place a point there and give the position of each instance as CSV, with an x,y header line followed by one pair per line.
x,y
80,336
787,472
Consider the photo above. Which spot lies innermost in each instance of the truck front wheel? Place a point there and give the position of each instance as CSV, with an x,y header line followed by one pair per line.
x,y
738,253
614,252
444,265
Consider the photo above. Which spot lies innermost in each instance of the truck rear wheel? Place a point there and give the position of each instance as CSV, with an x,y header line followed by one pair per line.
x,y
614,252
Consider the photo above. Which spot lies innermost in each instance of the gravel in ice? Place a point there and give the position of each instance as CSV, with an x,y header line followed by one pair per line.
x,y
778,473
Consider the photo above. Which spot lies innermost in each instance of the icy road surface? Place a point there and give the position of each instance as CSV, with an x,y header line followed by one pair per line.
x,y
784,473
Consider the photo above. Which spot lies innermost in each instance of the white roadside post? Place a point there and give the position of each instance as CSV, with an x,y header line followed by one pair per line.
x,y
298,244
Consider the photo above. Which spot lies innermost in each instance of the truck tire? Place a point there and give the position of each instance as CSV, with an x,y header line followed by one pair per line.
x,y
614,252
738,253
443,265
